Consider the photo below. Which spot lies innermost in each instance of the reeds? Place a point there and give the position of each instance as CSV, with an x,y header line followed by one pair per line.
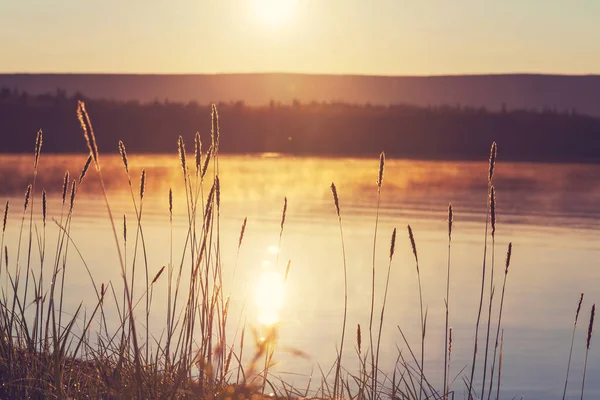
x,y
194,357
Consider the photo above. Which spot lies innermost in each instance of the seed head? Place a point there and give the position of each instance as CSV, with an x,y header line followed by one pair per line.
x,y
358,338
65,185
5,217
123,155
198,152
393,244
335,199
578,308
215,127
27,195
283,214
88,131
143,184
412,244
170,204
85,169
508,254
242,232
450,220
591,327
44,207
158,275
206,162
181,150
493,152
381,167
38,148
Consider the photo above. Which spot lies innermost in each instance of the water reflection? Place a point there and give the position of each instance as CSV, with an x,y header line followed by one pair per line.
x,y
550,212
269,296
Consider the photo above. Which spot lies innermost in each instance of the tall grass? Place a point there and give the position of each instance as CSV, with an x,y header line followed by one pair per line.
x,y
50,351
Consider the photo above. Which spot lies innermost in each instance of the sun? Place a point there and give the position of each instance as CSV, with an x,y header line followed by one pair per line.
x,y
274,12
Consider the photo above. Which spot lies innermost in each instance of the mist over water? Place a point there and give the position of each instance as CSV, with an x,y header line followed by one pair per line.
x,y
550,212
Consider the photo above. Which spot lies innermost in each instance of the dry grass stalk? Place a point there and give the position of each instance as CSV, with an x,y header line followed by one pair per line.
x,y
218,192
493,210
72,198
506,266
492,164
387,282
572,342
339,357
414,250
447,301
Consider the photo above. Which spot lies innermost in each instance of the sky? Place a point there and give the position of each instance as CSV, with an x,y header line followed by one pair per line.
x,y
376,37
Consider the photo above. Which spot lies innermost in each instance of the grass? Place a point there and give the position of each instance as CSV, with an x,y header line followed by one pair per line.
x,y
47,353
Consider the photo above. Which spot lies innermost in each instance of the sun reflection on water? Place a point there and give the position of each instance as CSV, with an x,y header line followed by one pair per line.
x,y
269,296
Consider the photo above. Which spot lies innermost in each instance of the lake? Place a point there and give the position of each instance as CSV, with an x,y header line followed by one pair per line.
x,y
550,212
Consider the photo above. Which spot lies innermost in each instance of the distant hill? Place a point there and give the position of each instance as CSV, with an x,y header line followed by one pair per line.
x,y
518,91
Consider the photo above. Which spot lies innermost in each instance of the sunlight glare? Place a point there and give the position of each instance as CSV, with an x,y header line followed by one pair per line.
x,y
270,291
274,12
273,249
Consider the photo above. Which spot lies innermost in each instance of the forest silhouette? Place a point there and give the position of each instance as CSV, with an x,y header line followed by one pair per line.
x,y
317,129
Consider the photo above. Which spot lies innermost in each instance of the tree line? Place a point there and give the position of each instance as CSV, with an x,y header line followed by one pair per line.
x,y
319,129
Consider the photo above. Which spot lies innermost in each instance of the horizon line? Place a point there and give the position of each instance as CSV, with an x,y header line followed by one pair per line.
x,y
452,75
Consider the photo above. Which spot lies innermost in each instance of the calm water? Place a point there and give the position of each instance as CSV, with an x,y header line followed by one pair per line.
x,y
551,213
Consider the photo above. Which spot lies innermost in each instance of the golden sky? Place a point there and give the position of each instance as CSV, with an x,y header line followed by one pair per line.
x,y
378,37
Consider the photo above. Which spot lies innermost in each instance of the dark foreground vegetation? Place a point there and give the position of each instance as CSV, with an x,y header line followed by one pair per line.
x,y
334,129
46,352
